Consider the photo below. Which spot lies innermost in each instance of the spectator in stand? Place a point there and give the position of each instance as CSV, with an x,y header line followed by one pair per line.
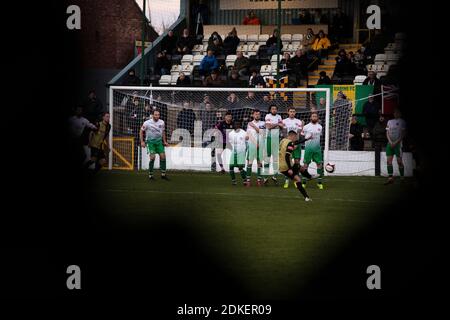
x,y
169,43
232,102
322,104
359,61
285,64
131,79
185,43
162,64
183,80
299,64
304,16
234,81
215,36
93,108
208,117
231,43
250,101
324,78
213,80
321,45
264,106
371,111
309,39
206,99
251,19
241,64
272,43
372,80
186,118
208,64
379,133
342,67
216,47
257,80
355,135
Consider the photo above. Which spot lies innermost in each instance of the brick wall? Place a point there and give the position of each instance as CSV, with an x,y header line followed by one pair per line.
x,y
109,29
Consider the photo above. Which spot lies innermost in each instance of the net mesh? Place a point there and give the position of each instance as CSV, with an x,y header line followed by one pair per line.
x,y
194,112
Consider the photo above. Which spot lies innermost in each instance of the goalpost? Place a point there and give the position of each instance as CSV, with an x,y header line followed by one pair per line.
x,y
190,114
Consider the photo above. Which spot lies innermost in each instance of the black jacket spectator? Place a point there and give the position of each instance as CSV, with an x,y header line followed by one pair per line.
x,y
343,64
324,79
162,64
299,63
131,79
356,141
257,80
186,119
93,108
213,80
183,80
230,44
379,133
185,43
169,43
234,81
371,111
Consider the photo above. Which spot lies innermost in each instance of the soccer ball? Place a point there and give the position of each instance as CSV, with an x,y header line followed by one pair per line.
x,y
330,167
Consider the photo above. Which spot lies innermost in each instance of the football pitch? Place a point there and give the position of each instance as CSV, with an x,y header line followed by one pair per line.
x,y
267,236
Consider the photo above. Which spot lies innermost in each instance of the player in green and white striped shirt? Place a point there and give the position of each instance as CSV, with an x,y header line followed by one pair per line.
x,y
313,151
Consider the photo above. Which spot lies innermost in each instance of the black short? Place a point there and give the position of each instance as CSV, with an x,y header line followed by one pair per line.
x,y
295,172
97,153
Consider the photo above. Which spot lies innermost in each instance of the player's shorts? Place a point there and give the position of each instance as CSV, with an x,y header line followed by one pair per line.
x,y
295,172
155,147
237,159
296,154
312,155
97,153
397,150
253,153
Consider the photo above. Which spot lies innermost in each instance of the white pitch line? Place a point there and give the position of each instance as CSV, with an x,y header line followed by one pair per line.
x,y
230,194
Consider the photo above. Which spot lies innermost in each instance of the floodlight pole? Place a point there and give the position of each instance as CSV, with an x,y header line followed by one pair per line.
x,y
143,42
278,43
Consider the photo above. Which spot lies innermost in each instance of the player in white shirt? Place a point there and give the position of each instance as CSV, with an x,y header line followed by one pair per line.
x,y
395,131
77,125
238,141
291,123
273,123
155,141
255,132
313,151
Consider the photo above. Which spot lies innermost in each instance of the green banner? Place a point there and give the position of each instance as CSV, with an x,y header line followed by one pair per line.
x,y
356,94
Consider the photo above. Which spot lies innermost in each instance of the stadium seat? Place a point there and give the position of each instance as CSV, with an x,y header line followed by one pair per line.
x,y
359,80
229,61
197,59
173,80
253,48
287,37
187,69
392,58
380,58
262,38
266,70
274,58
198,49
297,37
176,68
252,38
187,59
243,48
165,80
296,44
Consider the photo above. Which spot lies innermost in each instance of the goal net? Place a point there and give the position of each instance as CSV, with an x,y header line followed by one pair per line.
x,y
191,114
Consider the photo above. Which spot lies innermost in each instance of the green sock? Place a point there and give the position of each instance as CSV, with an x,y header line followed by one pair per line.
x,y
243,174
259,173
163,166
232,174
320,172
390,169
249,171
150,166
402,170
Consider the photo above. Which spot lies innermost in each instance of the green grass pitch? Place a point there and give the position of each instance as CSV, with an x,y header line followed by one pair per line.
x,y
264,235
